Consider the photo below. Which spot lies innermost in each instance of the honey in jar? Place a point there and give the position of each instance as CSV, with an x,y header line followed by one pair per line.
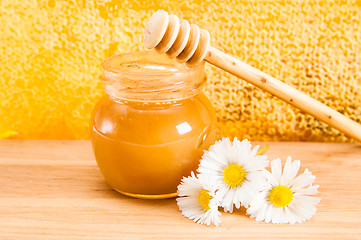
x,y
153,124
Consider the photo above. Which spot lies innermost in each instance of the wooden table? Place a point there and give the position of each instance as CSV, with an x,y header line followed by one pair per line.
x,y
54,190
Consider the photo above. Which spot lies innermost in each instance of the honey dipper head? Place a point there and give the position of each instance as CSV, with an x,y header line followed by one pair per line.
x,y
177,38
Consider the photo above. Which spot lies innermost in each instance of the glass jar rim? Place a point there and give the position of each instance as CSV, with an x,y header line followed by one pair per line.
x,y
185,69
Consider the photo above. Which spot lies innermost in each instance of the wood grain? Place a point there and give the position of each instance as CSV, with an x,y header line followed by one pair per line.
x,y
54,190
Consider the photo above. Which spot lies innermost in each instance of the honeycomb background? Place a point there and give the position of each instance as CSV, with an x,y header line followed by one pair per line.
x,y
51,53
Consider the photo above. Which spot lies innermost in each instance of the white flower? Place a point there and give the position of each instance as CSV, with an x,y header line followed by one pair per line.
x,y
285,200
237,170
197,200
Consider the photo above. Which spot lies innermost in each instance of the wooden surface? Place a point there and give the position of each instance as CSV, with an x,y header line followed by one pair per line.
x,y
54,190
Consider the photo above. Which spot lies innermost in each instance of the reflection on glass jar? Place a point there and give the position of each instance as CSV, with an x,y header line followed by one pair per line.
x,y
153,125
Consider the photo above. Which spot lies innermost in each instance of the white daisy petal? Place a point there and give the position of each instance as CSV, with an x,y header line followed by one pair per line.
x,y
269,213
259,162
310,190
227,202
257,202
267,174
277,218
260,214
306,200
256,177
254,151
303,211
289,216
276,170
285,197
303,180
290,171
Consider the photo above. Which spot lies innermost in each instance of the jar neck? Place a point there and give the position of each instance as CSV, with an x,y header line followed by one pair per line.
x,y
149,76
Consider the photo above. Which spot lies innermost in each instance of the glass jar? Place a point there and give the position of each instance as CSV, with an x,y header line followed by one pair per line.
x,y
153,125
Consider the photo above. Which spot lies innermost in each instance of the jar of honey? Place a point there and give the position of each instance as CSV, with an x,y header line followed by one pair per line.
x,y
153,124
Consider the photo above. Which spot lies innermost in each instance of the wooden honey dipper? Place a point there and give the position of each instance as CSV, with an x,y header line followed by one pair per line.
x,y
190,44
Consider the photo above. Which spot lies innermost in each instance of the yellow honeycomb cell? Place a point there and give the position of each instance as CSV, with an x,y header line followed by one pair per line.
x,y
51,52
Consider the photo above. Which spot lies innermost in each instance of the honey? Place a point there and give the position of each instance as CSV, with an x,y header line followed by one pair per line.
x,y
153,125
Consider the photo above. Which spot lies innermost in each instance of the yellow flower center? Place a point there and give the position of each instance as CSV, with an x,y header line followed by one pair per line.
x,y
280,196
234,175
204,198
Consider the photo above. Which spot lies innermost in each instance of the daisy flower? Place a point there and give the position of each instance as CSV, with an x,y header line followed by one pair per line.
x,y
285,200
197,200
237,170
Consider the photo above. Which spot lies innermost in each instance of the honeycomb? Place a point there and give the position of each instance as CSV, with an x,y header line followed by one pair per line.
x,y
51,53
